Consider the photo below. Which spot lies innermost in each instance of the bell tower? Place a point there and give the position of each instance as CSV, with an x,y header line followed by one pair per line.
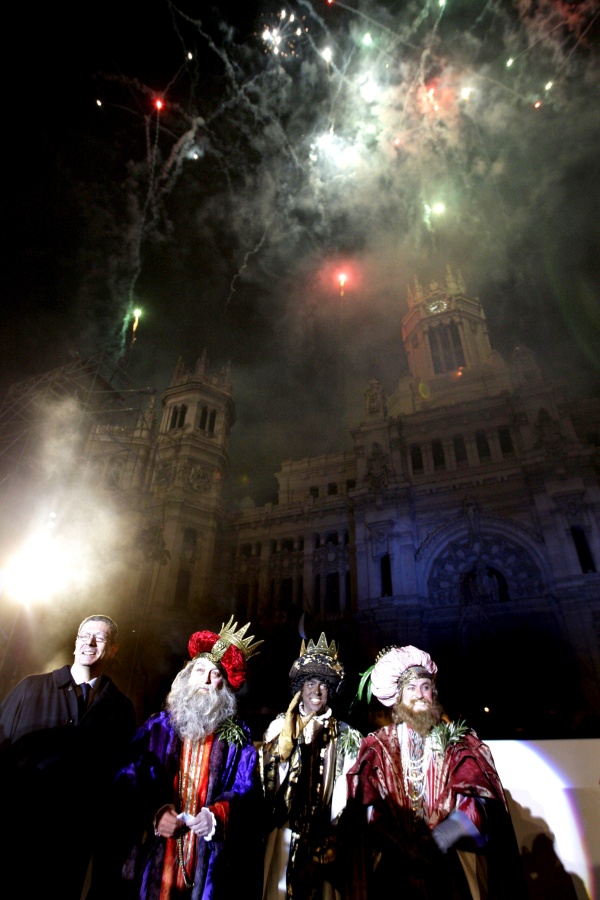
x,y
191,466
446,340
445,329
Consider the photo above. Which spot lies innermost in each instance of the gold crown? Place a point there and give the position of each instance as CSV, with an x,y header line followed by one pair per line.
x,y
320,647
228,635
386,650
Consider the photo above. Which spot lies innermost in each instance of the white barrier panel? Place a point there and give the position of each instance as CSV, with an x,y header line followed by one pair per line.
x,y
553,789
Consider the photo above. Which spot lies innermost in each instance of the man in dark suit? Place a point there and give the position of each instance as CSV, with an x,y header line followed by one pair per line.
x,y
62,736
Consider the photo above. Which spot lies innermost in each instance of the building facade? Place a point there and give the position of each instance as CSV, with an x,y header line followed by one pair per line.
x,y
465,519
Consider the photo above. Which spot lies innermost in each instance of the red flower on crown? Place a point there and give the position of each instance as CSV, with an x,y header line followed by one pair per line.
x,y
229,650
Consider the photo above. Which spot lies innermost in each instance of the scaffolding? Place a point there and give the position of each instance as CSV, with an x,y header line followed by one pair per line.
x,y
45,422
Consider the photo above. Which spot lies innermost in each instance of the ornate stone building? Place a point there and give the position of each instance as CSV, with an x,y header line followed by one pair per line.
x,y
464,519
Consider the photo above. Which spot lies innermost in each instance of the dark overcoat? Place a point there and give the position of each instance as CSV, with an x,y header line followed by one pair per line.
x,y
55,770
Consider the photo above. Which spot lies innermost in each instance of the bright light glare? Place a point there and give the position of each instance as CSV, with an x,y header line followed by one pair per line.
x,y
40,570
326,141
335,151
327,54
369,90
272,37
438,209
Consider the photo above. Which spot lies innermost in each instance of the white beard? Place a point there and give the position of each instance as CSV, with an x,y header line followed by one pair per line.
x,y
196,713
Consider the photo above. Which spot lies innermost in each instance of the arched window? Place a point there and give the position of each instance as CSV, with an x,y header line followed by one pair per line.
x,y
586,560
386,576
189,542
437,452
506,444
460,451
182,412
211,421
203,418
483,448
416,460
446,348
484,584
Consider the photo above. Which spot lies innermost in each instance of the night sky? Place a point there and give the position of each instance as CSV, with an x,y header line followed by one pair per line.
x,y
272,168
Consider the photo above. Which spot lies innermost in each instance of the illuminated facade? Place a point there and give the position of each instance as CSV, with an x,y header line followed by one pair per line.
x,y
464,520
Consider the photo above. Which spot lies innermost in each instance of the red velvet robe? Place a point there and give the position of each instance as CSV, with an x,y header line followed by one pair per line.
x,y
390,844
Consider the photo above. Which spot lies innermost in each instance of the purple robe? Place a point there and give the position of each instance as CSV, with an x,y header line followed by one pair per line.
x,y
227,864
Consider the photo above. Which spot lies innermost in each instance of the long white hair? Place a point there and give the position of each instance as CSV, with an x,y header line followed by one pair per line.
x,y
196,712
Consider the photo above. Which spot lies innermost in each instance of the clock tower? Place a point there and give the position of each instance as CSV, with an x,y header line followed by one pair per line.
x,y
445,337
192,464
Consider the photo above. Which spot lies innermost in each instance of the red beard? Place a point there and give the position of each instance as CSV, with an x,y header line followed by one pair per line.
x,y
421,721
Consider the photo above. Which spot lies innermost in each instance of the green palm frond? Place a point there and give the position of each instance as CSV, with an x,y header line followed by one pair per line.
x,y
364,683
350,741
232,732
447,733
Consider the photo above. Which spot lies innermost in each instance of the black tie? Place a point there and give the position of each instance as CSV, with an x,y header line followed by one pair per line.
x,y
83,700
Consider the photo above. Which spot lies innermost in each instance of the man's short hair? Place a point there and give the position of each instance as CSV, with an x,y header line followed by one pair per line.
x,y
114,631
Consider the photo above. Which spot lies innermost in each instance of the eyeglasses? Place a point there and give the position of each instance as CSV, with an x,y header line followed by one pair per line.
x,y
98,636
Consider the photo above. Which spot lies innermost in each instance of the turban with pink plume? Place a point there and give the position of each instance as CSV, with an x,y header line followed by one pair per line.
x,y
394,667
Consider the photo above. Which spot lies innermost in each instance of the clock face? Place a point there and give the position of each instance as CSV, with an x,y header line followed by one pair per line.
x,y
436,306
